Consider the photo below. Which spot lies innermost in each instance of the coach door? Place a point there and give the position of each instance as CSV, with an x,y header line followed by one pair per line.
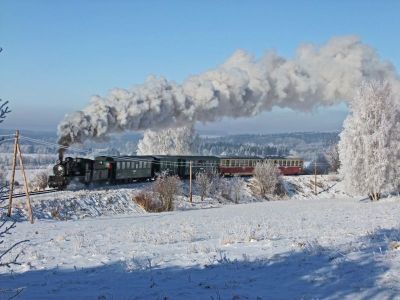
x,y
88,173
182,172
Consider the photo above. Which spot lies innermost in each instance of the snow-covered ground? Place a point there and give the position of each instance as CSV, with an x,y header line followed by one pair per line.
x,y
98,244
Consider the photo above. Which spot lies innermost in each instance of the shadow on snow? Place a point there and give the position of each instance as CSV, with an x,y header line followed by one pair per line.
x,y
357,270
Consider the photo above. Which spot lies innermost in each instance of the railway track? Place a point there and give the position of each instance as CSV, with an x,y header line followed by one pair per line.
x,y
19,195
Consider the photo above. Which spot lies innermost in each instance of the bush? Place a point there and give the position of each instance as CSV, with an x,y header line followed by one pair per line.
x,y
267,179
40,181
232,189
146,200
205,183
165,188
162,194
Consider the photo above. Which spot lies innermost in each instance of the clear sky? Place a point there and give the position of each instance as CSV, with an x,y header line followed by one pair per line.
x,y
56,54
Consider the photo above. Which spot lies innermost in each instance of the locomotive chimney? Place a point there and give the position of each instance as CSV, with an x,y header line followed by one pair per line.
x,y
60,154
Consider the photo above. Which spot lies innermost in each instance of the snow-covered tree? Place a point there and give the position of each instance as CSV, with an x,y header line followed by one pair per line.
x,y
369,146
204,183
172,141
266,178
332,156
40,181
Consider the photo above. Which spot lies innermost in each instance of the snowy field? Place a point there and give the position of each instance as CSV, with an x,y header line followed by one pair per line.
x,y
98,244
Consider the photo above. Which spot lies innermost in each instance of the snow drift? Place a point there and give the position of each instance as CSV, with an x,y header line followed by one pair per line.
x,y
242,86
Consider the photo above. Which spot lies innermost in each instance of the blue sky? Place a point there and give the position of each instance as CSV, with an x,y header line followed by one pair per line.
x,y
56,54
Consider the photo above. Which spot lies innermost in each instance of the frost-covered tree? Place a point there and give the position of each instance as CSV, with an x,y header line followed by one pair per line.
x,y
171,141
204,183
332,156
40,181
266,178
369,146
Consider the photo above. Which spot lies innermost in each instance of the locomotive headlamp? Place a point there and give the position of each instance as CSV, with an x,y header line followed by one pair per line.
x,y
59,170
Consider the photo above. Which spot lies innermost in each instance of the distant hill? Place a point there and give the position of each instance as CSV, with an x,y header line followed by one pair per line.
x,y
305,144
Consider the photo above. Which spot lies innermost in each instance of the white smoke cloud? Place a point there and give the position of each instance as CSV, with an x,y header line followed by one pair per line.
x,y
242,86
171,141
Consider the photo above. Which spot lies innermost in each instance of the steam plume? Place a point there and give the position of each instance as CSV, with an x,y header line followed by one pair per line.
x,y
241,86
172,141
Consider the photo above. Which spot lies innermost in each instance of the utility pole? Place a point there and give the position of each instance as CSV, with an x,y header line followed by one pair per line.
x,y
17,151
190,181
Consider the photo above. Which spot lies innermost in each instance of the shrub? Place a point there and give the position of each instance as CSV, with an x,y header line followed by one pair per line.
x,y
232,189
146,200
165,188
204,184
40,181
266,180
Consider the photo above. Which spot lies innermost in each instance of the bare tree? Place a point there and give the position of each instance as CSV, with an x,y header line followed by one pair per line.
x,y
8,255
166,187
40,181
231,188
266,179
237,186
204,183
332,156
4,110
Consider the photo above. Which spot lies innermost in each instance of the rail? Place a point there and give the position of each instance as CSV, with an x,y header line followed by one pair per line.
x,y
19,195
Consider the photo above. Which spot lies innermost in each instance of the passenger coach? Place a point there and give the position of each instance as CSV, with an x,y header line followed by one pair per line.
x,y
244,166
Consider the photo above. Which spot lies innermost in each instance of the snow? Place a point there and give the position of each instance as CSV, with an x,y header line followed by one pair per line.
x,y
307,246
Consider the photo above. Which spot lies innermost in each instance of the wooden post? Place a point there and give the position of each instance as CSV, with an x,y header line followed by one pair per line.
x,y
17,150
315,176
190,181
11,191
28,200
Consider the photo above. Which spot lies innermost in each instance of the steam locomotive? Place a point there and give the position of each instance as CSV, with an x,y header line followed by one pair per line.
x,y
127,169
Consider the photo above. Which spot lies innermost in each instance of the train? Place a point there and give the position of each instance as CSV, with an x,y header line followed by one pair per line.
x,y
128,169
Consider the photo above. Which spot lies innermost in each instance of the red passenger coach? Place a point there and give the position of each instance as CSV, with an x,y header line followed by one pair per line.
x,y
287,165
238,166
244,166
